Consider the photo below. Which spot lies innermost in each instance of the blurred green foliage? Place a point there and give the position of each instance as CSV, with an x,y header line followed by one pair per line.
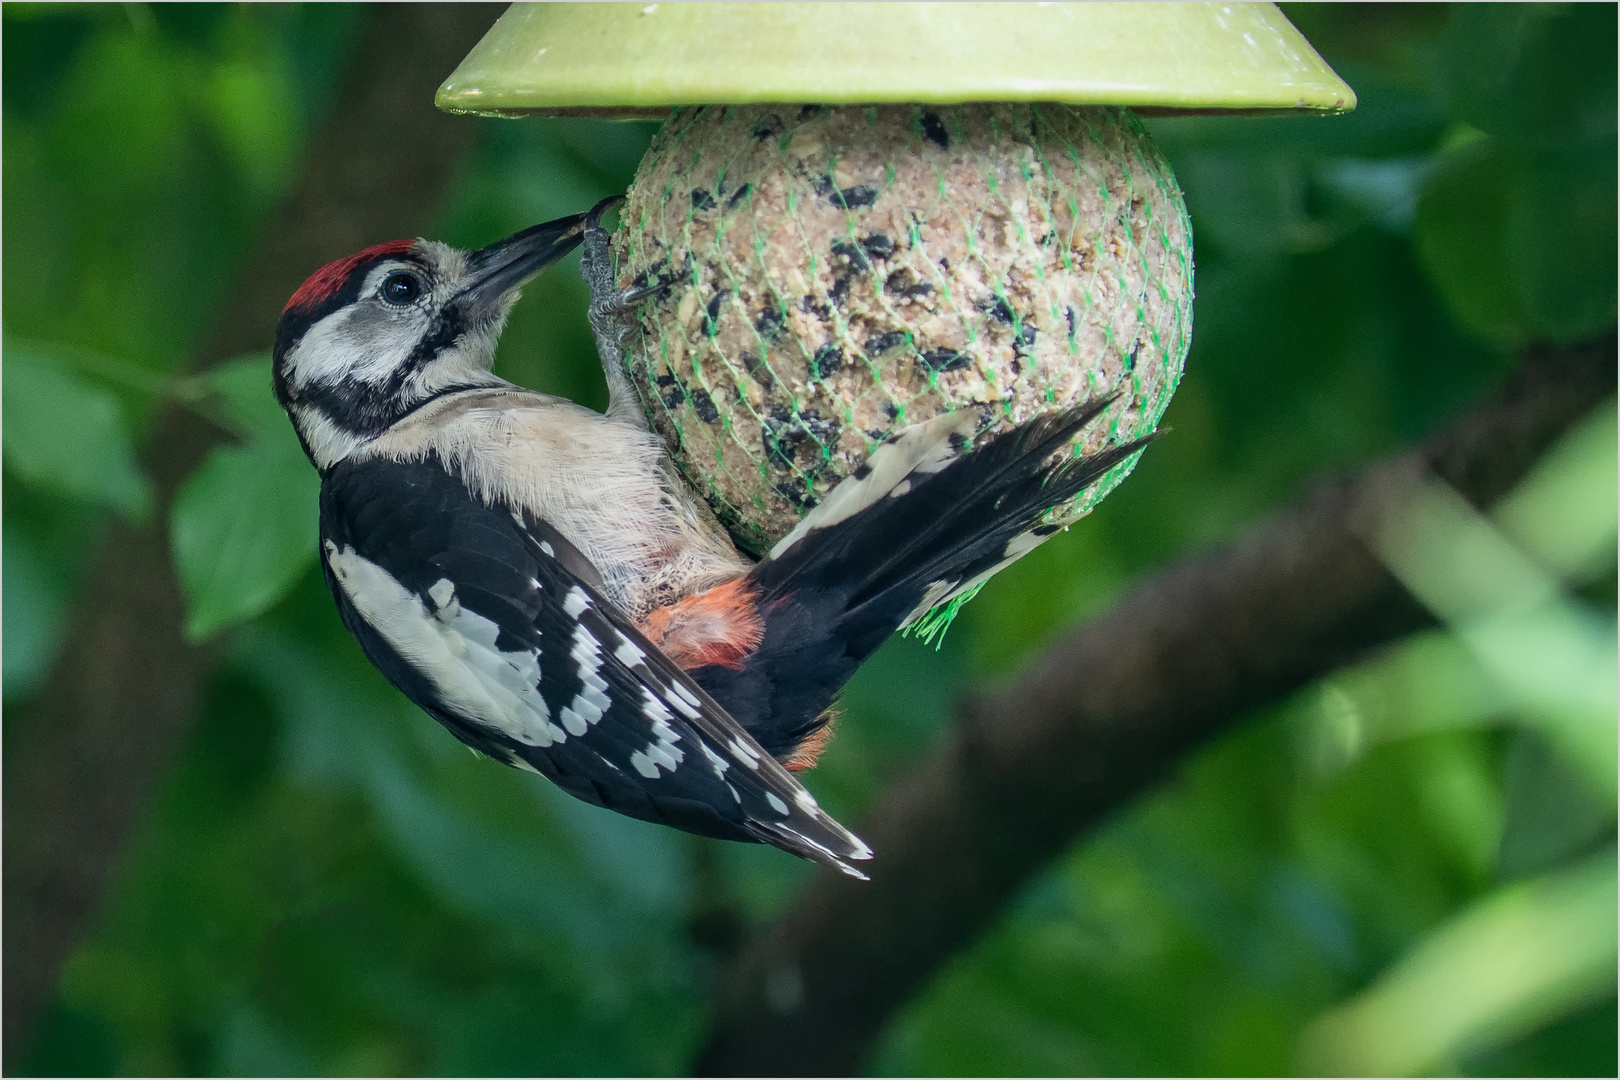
x,y
328,883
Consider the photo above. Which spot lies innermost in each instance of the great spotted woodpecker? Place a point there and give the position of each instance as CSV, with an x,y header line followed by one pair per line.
x,y
539,578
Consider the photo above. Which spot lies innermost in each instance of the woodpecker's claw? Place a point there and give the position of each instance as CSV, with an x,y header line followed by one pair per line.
x,y
631,297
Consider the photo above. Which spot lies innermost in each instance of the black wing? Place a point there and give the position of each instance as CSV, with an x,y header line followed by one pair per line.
x,y
495,625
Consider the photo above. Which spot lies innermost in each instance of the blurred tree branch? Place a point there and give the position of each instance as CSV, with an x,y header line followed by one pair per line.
x,y
121,693
1098,717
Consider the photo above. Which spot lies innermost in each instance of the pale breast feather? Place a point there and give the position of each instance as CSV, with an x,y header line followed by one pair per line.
x,y
491,621
601,483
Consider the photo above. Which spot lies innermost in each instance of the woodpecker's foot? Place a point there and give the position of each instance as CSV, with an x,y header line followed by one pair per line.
x,y
612,309
612,312
596,267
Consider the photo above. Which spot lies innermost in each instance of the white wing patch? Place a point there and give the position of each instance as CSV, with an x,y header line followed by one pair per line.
x,y
576,602
664,750
719,763
680,697
591,703
747,754
453,647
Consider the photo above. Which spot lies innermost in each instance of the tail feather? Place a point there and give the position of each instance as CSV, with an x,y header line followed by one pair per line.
x,y
948,527
1001,540
919,450
990,501
921,523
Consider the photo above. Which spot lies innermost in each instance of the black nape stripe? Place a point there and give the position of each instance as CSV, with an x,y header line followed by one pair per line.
x,y
368,411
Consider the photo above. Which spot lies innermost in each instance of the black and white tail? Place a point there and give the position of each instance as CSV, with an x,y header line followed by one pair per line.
x,y
920,523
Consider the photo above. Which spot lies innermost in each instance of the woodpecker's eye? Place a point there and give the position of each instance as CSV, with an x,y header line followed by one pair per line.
x,y
401,288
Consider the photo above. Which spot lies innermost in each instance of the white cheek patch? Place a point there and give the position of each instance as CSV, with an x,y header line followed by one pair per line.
x,y
453,648
358,344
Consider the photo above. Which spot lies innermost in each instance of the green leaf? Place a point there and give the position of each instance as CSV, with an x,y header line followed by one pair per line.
x,y
32,614
1541,74
244,530
1559,241
69,436
1518,230
244,386
244,523
1521,245
1459,235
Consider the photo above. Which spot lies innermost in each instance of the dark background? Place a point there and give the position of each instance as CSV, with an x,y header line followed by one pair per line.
x,y
268,863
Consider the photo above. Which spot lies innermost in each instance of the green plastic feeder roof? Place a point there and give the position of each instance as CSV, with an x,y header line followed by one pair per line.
x,y
640,59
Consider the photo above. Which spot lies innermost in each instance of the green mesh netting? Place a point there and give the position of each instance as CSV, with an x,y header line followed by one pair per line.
x,y
838,273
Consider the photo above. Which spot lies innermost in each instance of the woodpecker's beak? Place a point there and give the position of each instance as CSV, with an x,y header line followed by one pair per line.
x,y
506,264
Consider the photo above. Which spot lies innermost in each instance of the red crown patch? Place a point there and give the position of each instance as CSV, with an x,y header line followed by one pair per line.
x,y
330,278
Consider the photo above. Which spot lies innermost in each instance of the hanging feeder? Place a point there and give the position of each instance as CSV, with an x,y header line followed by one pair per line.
x,y
868,214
